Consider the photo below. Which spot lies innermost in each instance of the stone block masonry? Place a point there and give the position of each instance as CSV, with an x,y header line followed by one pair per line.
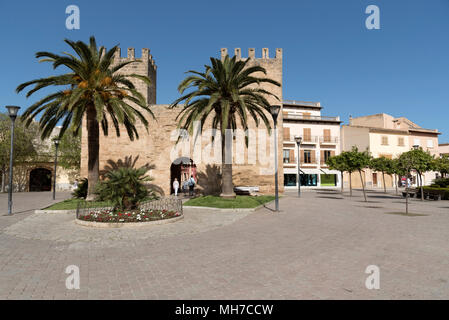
x,y
156,145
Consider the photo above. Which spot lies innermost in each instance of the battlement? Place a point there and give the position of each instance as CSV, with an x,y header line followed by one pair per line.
x,y
131,55
252,53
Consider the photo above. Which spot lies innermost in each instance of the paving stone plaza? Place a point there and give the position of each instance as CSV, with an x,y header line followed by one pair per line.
x,y
317,247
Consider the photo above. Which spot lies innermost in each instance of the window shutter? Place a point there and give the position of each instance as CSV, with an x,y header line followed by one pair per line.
x,y
292,156
312,156
307,134
327,135
286,134
322,156
332,153
306,115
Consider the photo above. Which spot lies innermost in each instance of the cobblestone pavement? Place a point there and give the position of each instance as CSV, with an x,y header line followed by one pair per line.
x,y
318,247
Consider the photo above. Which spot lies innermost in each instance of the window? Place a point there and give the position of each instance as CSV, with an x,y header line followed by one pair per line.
x,y
307,158
401,141
309,180
328,180
286,156
326,155
289,180
429,143
384,140
306,115
416,142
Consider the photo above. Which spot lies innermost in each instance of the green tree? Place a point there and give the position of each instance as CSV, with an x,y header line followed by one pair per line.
x,y
338,163
227,91
418,160
93,88
441,164
69,152
356,161
384,165
24,149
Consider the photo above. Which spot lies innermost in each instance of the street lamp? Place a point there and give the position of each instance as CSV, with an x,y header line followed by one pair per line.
x,y
56,141
12,111
298,140
274,110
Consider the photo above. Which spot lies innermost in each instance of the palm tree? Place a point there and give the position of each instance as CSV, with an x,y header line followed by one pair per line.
x,y
228,91
93,88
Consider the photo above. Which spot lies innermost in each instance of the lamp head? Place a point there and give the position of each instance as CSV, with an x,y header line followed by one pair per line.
x,y
56,141
274,110
298,140
13,111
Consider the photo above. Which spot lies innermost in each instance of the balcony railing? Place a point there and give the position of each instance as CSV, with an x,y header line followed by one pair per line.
x,y
293,116
305,139
328,139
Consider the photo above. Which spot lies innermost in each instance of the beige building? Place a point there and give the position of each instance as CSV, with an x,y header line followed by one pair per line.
x,y
251,167
320,140
443,148
384,135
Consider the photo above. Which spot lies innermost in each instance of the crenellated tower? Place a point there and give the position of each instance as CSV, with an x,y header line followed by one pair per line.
x,y
147,67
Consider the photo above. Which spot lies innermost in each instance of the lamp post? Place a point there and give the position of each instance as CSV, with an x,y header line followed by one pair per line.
x,y
274,110
298,140
12,111
56,141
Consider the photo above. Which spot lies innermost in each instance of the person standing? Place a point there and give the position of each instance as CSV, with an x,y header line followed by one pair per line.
x,y
191,185
176,186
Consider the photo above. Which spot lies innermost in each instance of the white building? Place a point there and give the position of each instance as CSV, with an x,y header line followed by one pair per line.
x,y
320,140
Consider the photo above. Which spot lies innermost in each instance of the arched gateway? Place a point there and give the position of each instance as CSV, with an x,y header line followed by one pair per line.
x,y
40,179
181,169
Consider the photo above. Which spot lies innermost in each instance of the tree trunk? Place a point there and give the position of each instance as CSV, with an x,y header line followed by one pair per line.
x,y
350,184
383,178
3,179
406,201
421,186
342,189
395,179
363,185
227,188
93,147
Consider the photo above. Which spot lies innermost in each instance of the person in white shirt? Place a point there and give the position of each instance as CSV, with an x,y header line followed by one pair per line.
x,y
176,186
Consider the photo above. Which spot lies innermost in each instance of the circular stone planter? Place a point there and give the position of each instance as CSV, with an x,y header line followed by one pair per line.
x,y
114,225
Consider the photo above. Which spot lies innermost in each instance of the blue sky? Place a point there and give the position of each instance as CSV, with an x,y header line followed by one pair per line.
x,y
329,55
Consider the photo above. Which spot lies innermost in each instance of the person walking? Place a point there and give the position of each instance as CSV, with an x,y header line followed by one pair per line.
x,y
176,186
191,185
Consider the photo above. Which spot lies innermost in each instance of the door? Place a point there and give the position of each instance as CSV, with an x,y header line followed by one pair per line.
x,y
375,179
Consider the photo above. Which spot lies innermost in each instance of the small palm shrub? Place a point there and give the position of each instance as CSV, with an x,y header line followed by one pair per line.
x,y
124,187
81,191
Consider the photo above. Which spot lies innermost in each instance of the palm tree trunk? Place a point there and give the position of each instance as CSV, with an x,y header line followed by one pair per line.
x,y
93,162
363,185
383,178
227,188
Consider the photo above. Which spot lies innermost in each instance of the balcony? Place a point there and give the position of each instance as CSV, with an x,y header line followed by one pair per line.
x,y
328,140
293,116
305,139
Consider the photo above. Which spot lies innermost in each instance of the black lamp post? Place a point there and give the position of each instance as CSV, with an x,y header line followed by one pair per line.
x,y
56,141
12,111
274,110
298,140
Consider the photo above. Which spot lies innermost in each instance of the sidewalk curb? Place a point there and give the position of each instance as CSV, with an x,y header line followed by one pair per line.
x,y
230,209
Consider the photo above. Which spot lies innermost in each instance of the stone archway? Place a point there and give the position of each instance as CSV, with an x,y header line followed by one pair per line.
x,y
181,169
40,179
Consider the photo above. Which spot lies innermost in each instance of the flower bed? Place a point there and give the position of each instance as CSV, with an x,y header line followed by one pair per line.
x,y
142,215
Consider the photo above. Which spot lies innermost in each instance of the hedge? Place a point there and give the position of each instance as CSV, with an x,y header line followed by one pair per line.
x,y
443,191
